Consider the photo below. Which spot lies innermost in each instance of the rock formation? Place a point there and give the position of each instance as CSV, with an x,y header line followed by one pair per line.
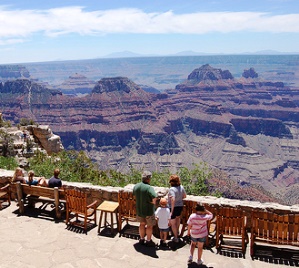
x,y
246,127
77,84
13,72
46,138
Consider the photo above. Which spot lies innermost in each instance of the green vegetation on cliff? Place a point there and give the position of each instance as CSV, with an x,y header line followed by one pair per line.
x,y
77,167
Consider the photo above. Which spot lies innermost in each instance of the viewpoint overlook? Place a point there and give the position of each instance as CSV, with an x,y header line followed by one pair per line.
x,y
246,127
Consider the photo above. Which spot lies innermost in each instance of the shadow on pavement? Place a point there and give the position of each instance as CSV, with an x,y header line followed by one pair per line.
x,y
275,255
149,251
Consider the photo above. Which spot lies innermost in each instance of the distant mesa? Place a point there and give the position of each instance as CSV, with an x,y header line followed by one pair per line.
x,y
250,73
13,72
118,84
206,72
207,78
150,89
77,84
123,54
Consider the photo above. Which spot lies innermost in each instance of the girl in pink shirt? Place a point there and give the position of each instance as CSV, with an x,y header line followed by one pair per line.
x,y
197,228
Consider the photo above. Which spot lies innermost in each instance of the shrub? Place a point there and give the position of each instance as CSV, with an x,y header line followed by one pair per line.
x,y
8,163
26,122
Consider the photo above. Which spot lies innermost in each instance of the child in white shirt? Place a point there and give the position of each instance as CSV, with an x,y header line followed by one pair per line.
x,y
163,217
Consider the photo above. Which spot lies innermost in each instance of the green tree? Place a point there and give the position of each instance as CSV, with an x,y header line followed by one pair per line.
x,y
7,144
195,181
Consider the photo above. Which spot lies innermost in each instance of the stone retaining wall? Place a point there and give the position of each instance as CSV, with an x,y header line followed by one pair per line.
x,y
101,193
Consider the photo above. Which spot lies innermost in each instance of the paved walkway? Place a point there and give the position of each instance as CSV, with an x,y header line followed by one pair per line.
x,y
39,241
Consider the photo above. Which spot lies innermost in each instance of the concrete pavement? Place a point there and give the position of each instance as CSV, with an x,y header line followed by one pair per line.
x,y
36,240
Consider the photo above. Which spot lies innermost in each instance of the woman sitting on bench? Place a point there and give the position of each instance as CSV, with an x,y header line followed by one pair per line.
x,y
18,176
39,181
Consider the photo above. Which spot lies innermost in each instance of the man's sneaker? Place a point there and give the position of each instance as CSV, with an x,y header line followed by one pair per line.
x,y
141,241
190,259
150,243
199,262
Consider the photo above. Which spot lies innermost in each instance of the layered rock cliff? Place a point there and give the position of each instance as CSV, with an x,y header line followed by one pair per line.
x,y
246,127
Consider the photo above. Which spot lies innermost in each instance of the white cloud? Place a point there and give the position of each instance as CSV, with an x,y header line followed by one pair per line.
x,y
11,41
18,24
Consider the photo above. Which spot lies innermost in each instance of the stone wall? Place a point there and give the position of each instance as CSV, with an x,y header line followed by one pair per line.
x,y
101,193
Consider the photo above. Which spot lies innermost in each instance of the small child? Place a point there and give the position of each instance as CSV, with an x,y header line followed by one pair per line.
x,y
163,217
197,228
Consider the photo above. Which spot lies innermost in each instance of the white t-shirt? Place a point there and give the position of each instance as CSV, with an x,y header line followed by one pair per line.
x,y
163,215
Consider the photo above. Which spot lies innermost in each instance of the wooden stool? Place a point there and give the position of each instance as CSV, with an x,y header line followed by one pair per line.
x,y
108,207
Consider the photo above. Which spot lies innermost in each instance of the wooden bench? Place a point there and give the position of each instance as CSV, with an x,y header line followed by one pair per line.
x,y
127,212
5,195
273,229
189,208
78,207
231,231
29,195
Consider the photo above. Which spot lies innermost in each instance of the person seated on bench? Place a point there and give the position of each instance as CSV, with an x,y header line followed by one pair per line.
x,y
39,181
18,175
55,181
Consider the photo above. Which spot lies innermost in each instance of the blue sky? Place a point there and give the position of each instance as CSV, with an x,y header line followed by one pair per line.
x,y
36,31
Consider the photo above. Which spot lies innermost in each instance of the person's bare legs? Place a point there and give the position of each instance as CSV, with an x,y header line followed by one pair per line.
x,y
43,182
192,247
164,236
161,235
149,232
142,230
199,250
178,222
174,228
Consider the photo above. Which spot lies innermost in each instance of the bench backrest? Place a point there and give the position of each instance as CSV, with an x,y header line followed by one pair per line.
x,y
127,204
37,190
76,201
231,221
41,191
275,228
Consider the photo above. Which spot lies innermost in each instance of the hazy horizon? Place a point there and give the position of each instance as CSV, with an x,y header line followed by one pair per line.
x,y
40,31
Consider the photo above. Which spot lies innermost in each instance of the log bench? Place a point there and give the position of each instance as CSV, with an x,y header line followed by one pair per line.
x,y
272,229
28,195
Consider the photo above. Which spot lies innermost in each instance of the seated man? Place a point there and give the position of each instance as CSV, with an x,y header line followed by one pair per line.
x,y
55,181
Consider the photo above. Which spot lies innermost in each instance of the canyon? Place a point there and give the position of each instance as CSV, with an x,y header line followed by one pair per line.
x,y
246,127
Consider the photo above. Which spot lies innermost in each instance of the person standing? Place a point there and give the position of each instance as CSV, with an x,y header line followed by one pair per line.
x,y
163,217
198,230
176,195
55,181
145,208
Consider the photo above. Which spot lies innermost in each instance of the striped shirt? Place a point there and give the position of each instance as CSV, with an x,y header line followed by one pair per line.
x,y
198,223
